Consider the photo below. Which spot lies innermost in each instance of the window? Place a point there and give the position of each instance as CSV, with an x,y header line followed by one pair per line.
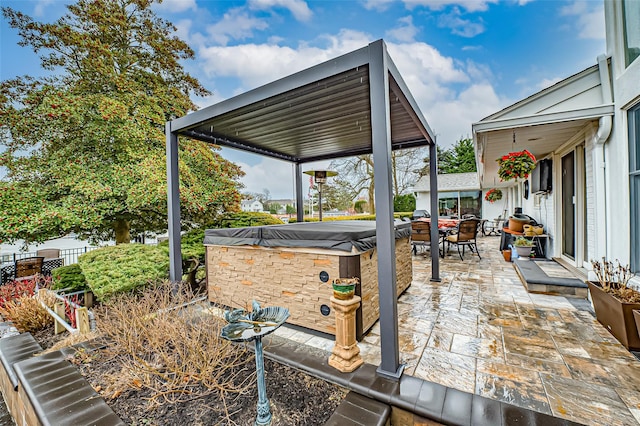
x,y
634,185
460,203
631,16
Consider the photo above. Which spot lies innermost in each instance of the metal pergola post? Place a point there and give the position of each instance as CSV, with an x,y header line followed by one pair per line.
x,y
299,200
435,213
385,232
173,205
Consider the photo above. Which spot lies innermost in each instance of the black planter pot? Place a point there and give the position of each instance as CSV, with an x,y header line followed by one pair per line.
x,y
616,316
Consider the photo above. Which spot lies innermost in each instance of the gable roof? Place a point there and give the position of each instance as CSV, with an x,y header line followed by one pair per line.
x,y
543,121
450,182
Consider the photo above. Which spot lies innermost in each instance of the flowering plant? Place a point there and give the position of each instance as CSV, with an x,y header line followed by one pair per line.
x,y
493,195
516,165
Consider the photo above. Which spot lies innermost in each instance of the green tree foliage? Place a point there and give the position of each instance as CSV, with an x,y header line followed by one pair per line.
x,y
460,158
360,206
404,203
336,197
84,148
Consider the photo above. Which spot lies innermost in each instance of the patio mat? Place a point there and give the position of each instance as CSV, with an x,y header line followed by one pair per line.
x,y
535,272
554,269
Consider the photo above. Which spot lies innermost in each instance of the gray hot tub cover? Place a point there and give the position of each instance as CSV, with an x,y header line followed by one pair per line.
x,y
336,235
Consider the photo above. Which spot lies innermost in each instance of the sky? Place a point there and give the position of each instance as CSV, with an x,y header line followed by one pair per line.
x,y
461,59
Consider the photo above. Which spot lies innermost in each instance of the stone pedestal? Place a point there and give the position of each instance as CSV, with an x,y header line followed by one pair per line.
x,y
346,353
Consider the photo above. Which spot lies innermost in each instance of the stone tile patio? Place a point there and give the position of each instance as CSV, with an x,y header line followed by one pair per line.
x,y
479,331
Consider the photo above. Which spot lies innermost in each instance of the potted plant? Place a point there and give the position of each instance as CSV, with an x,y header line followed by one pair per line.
x,y
493,195
614,301
344,288
523,246
516,165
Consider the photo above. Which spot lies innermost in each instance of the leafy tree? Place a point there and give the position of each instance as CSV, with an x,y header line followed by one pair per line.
x,y
404,203
336,197
360,206
84,148
459,159
355,174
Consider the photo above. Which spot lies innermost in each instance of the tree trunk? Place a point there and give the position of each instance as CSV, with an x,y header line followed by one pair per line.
x,y
122,228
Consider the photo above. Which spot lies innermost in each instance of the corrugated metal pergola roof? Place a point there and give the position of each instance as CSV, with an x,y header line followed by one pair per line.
x,y
354,104
320,113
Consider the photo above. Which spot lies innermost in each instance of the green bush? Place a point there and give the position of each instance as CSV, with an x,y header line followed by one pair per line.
x,y
122,268
68,277
192,241
397,215
243,219
404,203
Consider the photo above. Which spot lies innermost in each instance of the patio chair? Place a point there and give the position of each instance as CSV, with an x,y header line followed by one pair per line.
x,y
420,235
27,268
464,236
50,253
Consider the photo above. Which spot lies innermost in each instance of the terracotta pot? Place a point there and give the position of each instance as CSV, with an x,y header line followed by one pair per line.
x,y
516,224
616,316
507,255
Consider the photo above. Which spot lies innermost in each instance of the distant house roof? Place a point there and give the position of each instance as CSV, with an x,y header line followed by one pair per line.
x,y
450,182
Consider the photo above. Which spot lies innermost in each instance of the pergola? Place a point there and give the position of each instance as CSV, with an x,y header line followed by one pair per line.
x,y
351,105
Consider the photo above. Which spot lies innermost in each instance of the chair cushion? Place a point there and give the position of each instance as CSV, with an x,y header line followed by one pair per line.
x,y
452,238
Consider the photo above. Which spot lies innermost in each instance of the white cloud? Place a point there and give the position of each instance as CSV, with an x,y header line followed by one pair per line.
x,y
460,26
298,8
275,175
405,32
589,18
176,6
39,8
379,5
451,94
468,5
236,24
258,64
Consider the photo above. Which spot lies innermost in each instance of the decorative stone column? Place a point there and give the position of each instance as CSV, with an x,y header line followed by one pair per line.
x,y
346,353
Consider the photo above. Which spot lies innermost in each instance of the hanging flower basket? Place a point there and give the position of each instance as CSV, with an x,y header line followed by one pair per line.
x,y
516,165
493,195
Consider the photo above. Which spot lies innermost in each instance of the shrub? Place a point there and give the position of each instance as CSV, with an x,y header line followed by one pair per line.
x,y
404,203
243,219
68,277
192,241
27,314
168,347
122,268
15,290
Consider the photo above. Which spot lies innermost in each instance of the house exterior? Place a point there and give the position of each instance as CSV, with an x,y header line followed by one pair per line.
x,y
458,194
588,126
251,206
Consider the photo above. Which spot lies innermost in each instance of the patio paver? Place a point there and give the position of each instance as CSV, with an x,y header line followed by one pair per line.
x,y
480,331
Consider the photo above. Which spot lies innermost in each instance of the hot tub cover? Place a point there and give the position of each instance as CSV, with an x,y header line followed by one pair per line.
x,y
337,235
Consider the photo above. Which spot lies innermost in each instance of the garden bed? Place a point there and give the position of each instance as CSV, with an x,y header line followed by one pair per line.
x,y
229,398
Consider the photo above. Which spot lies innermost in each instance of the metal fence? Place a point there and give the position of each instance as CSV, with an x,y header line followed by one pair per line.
x,y
70,256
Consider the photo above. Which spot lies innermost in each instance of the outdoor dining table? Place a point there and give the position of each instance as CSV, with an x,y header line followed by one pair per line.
x,y
446,226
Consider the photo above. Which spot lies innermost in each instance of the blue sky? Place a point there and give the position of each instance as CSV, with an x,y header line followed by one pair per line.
x,y
462,59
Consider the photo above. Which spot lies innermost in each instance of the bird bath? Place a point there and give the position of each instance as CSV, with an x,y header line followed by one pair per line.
x,y
246,326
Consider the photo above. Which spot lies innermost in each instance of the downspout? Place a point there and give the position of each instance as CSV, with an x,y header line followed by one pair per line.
x,y
602,136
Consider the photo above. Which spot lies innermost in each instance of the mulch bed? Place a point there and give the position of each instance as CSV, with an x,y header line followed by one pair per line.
x,y
296,398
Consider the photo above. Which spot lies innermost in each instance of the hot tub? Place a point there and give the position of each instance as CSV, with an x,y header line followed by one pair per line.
x,y
293,266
